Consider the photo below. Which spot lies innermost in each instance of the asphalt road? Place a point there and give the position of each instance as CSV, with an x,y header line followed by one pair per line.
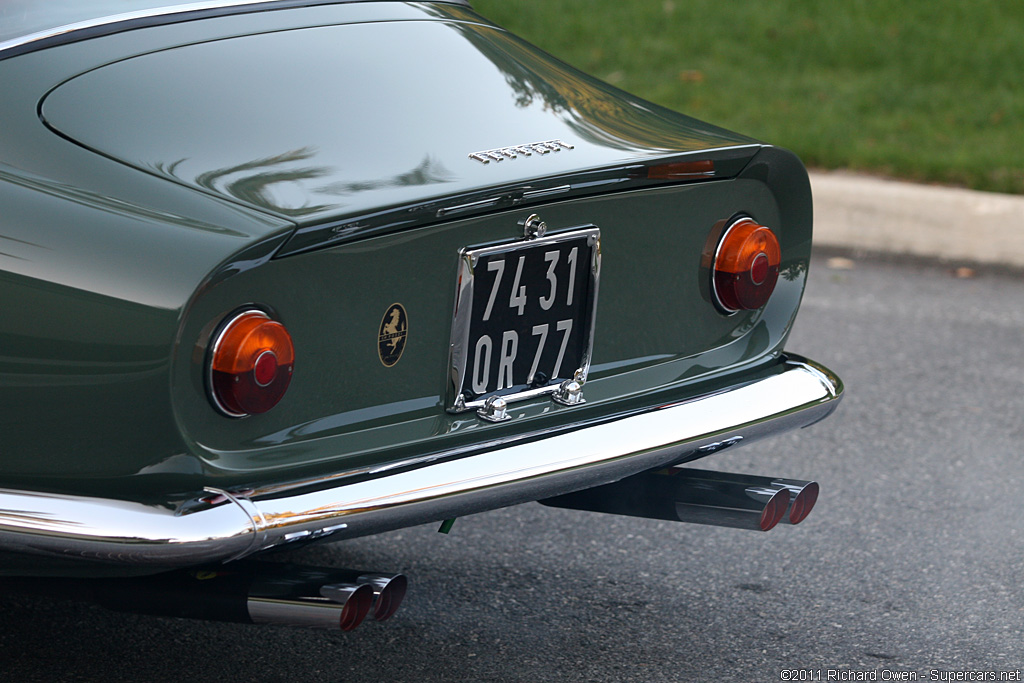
x,y
913,560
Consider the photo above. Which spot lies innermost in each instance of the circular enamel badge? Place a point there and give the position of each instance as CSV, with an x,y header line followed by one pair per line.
x,y
394,328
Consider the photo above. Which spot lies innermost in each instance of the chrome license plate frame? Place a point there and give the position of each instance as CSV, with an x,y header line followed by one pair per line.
x,y
483,288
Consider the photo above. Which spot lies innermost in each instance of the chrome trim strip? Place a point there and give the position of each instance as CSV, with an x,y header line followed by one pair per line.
x,y
725,310
546,191
218,338
123,21
125,17
219,527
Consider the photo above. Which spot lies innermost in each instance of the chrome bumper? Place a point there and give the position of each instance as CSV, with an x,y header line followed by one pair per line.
x,y
223,526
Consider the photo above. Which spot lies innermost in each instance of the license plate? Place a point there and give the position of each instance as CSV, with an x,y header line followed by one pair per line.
x,y
524,317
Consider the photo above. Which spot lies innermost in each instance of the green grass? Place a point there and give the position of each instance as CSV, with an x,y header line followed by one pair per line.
x,y
929,90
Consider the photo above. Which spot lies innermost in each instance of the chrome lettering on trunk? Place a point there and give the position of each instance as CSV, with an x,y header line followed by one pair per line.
x,y
502,153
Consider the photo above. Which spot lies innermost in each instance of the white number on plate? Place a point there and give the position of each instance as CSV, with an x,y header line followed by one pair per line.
x,y
508,350
565,327
500,267
572,273
552,258
518,298
542,332
482,364
509,347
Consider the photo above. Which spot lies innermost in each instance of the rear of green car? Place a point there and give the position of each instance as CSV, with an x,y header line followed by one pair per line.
x,y
336,176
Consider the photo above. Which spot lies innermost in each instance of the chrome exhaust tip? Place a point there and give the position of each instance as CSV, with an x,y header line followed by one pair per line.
x,y
700,497
718,502
338,606
803,495
259,593
388,592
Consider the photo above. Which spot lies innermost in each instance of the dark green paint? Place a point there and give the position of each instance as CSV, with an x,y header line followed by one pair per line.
x,y
114,274
655,330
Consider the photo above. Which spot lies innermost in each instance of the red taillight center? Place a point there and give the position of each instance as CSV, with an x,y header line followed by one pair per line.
x,y
759,269
265,368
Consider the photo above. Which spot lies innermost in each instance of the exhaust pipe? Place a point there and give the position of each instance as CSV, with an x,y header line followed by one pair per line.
x,y
388,593
802,497
700,497
259,593
802,494
388,590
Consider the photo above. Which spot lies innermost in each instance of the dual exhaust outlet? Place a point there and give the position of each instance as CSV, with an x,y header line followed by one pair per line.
x,y
340,599
260,593
682,494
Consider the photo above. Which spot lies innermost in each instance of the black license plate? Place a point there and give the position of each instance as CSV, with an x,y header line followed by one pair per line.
x,y
524,317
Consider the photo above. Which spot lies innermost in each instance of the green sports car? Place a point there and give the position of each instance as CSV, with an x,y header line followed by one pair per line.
x,y
277,272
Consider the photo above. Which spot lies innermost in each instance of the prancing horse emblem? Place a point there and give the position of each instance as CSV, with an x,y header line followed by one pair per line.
x,y
394,328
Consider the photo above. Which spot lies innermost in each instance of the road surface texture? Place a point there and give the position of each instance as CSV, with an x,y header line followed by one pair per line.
x,y
912,561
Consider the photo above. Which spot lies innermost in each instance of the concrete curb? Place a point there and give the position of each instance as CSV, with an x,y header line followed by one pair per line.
x,y
865,213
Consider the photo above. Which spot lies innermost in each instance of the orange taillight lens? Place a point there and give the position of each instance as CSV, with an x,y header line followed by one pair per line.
x,y
746,266
250,364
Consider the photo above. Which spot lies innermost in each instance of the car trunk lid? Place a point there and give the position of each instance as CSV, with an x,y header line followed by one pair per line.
x,y
326,125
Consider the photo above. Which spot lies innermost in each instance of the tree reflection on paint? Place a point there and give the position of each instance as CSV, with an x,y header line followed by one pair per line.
x,y
427,172
260,182
599,113
794,270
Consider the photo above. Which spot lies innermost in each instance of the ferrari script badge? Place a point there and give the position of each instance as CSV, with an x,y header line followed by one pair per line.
x,y
394,328
501,153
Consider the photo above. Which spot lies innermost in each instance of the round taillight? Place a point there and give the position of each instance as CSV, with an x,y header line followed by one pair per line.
x,y
746,266
250,364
